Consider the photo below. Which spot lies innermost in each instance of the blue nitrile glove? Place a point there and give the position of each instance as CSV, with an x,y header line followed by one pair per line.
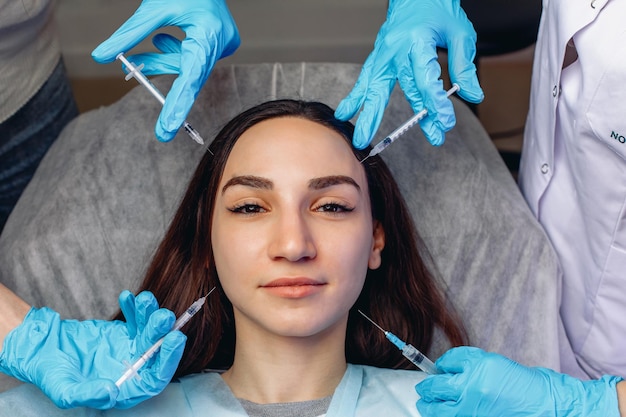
x,y
210,34
477,383
406,50
76,363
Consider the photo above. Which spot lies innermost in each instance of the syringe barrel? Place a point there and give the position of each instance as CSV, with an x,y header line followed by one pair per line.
x,y
419,359
182,320
152,349
404,127
188,314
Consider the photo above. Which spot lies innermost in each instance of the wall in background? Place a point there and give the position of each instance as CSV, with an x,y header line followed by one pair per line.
x,y
270,30
286,31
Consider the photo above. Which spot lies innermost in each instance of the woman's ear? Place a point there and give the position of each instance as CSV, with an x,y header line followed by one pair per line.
x,y
377,246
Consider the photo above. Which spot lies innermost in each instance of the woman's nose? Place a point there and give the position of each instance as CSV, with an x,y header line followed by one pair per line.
x,y
292,239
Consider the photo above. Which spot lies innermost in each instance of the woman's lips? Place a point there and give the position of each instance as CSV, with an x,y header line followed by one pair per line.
x,y
293,287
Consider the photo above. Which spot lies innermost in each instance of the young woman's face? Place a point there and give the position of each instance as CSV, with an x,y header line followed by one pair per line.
x,y
292,230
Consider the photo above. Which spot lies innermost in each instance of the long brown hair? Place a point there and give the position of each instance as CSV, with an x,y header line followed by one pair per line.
x,y
401,295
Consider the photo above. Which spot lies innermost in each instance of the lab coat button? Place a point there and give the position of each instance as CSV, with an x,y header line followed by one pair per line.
x,y
555,91
545,168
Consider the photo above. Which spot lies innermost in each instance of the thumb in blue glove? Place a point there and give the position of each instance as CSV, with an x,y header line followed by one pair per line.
x,y
75,363
210,34
478,383
406,50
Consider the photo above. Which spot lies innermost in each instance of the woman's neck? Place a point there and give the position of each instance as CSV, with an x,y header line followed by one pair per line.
x,y
282,369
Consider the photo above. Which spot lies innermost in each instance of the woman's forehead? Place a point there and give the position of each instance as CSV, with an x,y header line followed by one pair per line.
x,y
290,143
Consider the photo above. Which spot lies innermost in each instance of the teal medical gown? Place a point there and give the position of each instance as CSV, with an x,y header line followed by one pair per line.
x,y
364,391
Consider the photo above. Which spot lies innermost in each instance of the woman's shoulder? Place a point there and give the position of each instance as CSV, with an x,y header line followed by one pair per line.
x,y
183,397
373,374
388,391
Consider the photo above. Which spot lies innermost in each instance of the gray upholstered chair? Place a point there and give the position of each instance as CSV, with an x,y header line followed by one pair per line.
x,y
87,224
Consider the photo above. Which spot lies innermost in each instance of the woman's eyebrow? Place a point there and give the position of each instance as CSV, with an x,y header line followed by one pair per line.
x,y
329,181
249,181
265,184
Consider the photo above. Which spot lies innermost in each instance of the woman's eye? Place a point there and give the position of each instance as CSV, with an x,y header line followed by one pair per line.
x,y
333,208
248,209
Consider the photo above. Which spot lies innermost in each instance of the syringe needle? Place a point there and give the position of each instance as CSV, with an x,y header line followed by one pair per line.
x,y
416,357
191,311
135,72
372,321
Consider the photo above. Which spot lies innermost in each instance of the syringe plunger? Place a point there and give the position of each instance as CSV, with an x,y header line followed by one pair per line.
x,y
135,72
419,359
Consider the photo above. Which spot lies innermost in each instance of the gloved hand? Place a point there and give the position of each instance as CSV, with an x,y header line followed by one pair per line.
x,y
406,50
211,34
76,363
477,383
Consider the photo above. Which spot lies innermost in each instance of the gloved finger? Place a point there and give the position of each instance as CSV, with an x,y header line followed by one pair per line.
x,y
434,134
427,73
156,377
372,114
167,43
195,66
59,377
440,387
127,305
155,63
351,104
436,409
157,326
169,356
406,79
432,130
461,54
141,24
457,359
145,305
98,393
166,62
373,90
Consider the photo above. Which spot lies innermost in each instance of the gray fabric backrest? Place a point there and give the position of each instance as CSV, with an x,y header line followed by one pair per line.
x,y
88,223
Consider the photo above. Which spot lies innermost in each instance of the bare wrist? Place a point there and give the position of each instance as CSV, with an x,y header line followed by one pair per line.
x,y
621,397
12,312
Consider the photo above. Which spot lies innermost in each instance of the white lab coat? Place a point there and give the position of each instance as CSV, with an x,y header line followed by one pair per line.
x,y
364,391
573,170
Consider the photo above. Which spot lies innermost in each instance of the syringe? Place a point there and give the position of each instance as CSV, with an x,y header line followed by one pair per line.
x,y
180,322
134,71
380,146
408,351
